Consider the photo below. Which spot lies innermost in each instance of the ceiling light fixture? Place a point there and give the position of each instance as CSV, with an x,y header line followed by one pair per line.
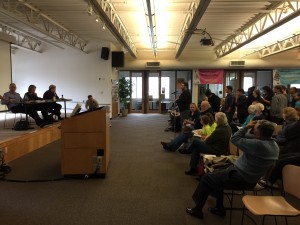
x,y
103,27
97,19
151,23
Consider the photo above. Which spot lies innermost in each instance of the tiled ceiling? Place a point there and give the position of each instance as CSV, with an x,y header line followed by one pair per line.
x,y
222,19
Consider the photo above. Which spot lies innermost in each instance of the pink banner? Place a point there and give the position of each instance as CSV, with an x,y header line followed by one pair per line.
x,y
211,76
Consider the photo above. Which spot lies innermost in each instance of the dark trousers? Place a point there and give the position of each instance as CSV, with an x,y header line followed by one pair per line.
x,y
184,115
229,116
284,159
215,183
55,109
198,146
44,108
27,110
180,139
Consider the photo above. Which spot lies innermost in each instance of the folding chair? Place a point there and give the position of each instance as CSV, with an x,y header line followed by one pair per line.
x,y
276,205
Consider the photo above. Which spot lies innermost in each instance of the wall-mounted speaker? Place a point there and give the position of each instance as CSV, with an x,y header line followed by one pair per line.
x,y
104,53
117,59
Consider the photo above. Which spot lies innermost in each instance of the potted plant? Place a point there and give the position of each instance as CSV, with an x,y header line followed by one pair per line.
x,y
124,92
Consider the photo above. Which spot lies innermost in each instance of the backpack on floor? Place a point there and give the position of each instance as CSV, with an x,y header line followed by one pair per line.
x,y
21,125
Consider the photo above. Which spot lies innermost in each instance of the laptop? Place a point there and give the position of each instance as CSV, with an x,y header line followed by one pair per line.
x,y
76,110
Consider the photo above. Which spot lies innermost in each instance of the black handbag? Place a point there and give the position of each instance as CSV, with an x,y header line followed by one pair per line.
x,y
21,125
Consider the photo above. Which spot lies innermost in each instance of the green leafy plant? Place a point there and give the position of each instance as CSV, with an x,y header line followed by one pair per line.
x,y
124,91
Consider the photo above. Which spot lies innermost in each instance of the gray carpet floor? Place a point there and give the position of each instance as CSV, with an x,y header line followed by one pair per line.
x,y
144,185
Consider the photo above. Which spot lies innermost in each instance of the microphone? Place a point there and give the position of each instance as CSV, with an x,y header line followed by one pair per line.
x,y
173,93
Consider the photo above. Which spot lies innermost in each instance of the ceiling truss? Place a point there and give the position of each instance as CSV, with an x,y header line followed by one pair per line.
x,y
196,11
281,14
113,22
41,22
281,46
22,40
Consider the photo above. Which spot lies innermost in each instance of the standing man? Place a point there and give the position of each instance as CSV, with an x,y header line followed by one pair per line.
x,y
241,105
279,101
213,100
184,101
229,104
292,96
259,155
13,101
51,95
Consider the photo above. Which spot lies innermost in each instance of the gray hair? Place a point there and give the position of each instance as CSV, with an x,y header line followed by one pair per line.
x,y
221,118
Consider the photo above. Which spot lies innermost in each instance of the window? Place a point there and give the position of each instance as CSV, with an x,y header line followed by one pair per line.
x,y
153,87
136,87
165,87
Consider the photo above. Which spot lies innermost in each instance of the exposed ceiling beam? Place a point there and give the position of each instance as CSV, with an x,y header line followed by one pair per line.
x,y
196,11
19,33
260,26
22,40
32,17
113,22
281,46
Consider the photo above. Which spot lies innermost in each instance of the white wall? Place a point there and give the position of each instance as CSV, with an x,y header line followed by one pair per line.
x,y
76,74
5,67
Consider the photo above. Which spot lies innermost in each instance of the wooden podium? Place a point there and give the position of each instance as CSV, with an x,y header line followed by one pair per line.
x,y
85,144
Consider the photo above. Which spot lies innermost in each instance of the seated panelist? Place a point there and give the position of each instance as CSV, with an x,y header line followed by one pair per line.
x,y
32,96
55,107
13,101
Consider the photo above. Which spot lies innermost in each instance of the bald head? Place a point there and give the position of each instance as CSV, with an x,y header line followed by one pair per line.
x,y
205,105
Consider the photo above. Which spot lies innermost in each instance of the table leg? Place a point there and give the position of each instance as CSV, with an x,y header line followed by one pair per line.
x,y
65,109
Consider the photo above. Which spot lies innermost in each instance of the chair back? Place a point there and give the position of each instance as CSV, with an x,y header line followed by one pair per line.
x,y
291,178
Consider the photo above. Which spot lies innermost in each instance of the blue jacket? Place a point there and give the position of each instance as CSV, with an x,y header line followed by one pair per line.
x,y
258,156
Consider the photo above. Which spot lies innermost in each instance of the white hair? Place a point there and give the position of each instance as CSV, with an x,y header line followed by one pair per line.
x,y
259,107
221,118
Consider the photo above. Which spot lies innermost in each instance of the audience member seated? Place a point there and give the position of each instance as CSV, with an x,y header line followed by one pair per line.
x,y
205,108
184,136
251,114
13,101
32,96
259,155
216,144
222,105
55,107
91,103
259,108
206,126
289,138
276,173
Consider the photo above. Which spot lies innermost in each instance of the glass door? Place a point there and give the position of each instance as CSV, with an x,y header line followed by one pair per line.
x,y
137,99
153,95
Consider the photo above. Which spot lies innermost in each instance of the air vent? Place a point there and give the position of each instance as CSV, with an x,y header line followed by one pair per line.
x,y
152,64
237,63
